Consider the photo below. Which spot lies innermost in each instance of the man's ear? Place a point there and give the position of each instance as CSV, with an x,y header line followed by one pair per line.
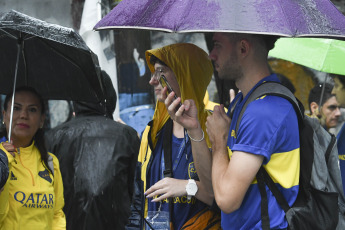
x,y
244,46
314,107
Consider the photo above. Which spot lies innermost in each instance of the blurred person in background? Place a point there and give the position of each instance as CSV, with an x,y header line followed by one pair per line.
x,y
328,112
97,157
339,91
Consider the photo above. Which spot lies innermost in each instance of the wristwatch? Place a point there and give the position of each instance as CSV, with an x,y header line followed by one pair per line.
x,y
191,189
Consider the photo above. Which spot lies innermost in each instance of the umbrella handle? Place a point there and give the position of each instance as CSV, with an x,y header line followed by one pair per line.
x,y
20,48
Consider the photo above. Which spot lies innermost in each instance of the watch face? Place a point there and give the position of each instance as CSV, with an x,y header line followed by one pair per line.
x,y
191,189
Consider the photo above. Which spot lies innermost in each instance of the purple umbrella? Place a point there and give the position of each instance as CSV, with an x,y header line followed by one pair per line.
x,y
288,18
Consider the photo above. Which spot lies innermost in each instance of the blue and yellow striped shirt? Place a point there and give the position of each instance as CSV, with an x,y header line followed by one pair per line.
x,y
269,127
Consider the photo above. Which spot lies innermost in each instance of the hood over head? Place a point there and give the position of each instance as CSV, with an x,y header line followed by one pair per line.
x,y
193,70
89,108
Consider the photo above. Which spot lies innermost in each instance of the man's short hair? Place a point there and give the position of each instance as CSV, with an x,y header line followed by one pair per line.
x,y
269,40
315,94
340,77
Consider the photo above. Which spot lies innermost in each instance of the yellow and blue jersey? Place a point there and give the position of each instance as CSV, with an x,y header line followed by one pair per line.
x,y
183,168
269,127
33,196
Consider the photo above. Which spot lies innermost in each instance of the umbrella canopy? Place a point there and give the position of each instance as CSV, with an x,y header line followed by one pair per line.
x,y
288,18
325,55
50,58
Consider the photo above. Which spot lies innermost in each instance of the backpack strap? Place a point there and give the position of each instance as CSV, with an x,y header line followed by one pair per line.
x,y
274,89
167,148
168,156
265,221
263,178
330,147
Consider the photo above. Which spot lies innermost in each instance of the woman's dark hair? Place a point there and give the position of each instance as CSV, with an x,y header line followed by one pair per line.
x,y
154,60
39,136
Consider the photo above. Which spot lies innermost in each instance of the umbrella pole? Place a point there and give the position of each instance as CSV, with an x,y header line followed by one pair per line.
x,y
20,47
323,91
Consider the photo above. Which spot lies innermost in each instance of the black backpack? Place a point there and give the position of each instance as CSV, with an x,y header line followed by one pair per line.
x,y
320,203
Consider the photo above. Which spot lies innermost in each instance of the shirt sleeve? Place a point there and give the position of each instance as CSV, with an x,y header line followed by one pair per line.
x,y
4,206
59,221
267,124
4,195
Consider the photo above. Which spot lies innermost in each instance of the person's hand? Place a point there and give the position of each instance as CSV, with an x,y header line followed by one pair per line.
x,y
186,115
167,187
217,126
10,148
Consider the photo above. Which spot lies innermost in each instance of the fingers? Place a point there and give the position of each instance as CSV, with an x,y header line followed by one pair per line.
x,y
172,103
9,148
159,194
157,190
232,94
165,188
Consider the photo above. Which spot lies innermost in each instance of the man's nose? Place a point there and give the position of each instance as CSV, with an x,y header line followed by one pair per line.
x,y
212,55
337,112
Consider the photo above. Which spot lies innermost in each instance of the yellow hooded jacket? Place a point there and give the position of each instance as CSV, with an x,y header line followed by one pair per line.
x,y
32,197
193,70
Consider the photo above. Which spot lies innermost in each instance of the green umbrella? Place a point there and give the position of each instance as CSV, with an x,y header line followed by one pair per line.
x,y
325,55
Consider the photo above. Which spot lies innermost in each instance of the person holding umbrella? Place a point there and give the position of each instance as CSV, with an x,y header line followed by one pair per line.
x,y
268,135
33,195
324,106
166,179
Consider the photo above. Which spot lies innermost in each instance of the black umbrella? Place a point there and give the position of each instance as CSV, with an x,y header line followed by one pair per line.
x,y
50,58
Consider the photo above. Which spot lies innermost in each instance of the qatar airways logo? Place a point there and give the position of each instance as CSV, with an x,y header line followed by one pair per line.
x,y
35,200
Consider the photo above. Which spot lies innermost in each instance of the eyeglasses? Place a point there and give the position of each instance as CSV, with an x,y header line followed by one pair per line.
x,y
157,74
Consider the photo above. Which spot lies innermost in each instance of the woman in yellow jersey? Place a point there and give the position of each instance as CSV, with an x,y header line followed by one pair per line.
x,y
32,197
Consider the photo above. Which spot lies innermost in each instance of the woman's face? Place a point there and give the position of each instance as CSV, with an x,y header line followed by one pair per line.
x,y
27,118
171,78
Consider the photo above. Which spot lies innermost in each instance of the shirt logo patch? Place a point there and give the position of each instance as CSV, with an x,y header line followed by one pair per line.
x,y
233,134
192,171
35,200
13,177
45,175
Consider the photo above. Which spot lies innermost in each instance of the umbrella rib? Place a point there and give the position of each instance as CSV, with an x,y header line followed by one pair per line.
x,y
28,36
9,34
62,55
142,18
290,27
324,57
